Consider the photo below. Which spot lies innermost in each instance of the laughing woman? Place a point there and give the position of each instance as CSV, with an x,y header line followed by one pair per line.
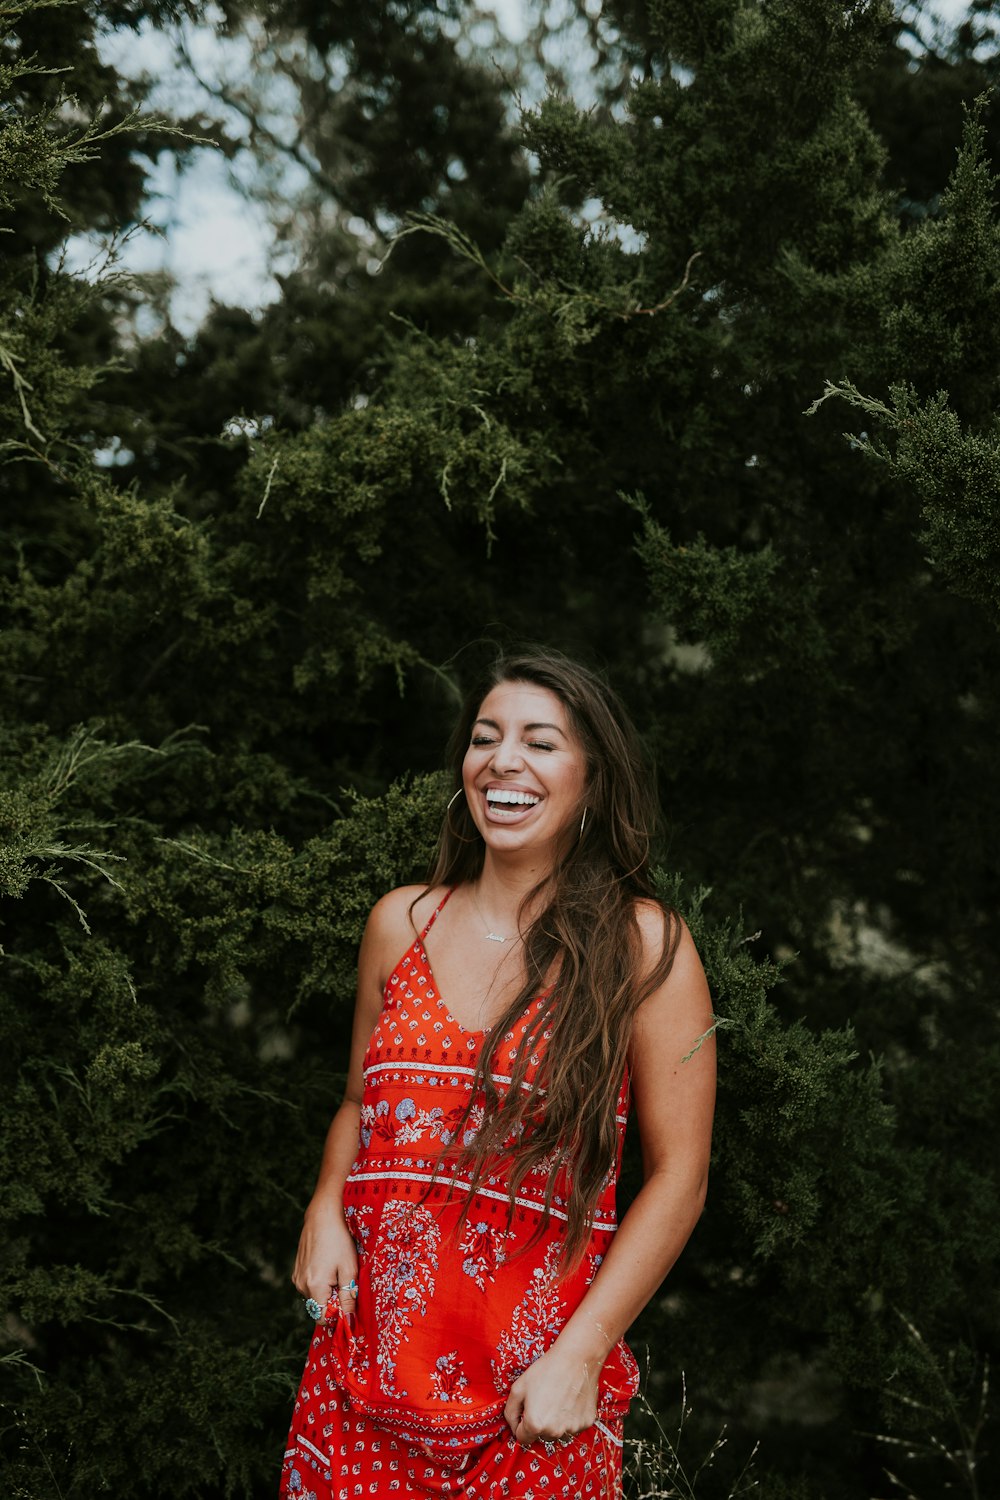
x,y
460,1252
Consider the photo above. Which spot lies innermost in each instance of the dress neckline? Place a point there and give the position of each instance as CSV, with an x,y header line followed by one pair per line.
x,y
418,948
421,952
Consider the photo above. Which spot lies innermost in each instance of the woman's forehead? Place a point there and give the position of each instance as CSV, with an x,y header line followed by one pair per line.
x,y
524,703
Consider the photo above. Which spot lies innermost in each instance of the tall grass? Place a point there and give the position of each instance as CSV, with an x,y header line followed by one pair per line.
x,y
658,1465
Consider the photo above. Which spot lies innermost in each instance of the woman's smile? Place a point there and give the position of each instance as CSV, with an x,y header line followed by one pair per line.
x,y
510,804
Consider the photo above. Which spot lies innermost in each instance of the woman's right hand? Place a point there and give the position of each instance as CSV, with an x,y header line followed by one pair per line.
x,y
327,1258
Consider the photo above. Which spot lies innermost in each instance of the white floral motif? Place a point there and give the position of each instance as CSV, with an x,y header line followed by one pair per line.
x,y
536,1320
403,1263
477,1115
357,1216
374,1121
448,1379
425,1122
483,1251
358,1222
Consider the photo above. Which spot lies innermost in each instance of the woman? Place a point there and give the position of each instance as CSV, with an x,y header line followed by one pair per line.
x,y
460,1249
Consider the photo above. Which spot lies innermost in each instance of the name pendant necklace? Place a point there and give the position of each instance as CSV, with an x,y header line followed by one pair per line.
x,y
494,937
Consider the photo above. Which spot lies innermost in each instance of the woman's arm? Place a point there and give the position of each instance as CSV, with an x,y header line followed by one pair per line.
x,y
327,1256
674,1102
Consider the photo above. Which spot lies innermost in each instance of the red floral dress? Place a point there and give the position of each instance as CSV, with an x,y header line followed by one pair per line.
x,y
449,1313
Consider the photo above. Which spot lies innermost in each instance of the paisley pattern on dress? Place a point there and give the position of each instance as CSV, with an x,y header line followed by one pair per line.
x,y
534,1323
452,1305
401,1280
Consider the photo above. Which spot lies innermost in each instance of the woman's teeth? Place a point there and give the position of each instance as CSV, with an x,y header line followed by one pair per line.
x,y
511,799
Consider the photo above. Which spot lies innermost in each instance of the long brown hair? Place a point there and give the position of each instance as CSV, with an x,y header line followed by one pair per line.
x,y
586,932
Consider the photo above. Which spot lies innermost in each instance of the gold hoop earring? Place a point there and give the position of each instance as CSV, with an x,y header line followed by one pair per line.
x,y
450,826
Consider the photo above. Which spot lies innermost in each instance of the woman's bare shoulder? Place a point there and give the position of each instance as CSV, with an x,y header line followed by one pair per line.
x,y
658,925
662,929
401,915
675,1019
654,920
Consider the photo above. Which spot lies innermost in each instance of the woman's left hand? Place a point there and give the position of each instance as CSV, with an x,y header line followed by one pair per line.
x,y
553,1400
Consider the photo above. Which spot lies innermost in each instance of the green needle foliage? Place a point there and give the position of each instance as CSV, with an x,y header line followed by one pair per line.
x,y
595,396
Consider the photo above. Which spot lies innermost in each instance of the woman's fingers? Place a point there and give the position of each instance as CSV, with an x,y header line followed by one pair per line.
x,y
336,1291
523,1433
514,1409
533,1416
514,1417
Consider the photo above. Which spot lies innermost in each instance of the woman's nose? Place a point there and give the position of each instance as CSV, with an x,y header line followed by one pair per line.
x,y
507,756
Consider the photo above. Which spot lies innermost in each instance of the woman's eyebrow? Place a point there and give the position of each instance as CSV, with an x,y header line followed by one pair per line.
x,y
528,728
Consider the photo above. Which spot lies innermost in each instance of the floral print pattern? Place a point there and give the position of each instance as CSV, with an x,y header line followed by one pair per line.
x,y
401,1280
448,1379
483,1251
457,1294
342,1455
534,1323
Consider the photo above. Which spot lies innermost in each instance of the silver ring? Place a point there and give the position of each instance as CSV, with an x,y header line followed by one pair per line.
x,y
351,1288
315,1309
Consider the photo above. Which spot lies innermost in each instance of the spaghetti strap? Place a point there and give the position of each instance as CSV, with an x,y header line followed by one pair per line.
x,y
440,907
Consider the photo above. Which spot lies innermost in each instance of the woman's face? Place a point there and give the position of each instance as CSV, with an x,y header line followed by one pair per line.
x,y
524,772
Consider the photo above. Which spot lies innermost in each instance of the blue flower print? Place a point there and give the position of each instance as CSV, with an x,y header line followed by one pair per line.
x,y
295,1481
405,1110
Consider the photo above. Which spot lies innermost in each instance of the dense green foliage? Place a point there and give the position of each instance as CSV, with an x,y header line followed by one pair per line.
x,y
230,657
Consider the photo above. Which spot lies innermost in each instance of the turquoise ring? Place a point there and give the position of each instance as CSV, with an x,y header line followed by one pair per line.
x,y
351,1288
314,1309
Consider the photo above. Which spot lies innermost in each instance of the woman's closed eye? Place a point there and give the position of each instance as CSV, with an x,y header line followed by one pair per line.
x,y
481,740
